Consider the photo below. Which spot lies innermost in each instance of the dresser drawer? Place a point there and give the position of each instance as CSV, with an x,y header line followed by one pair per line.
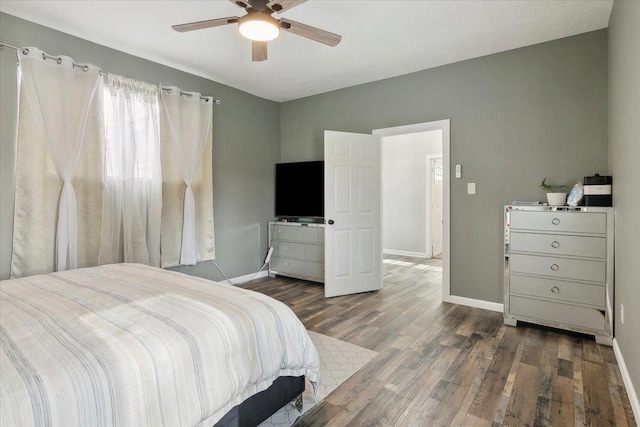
x,y
572,222
296,233
561,268
288,249
314,253
549,312
555,244
315,270
558,290
287,265
296,267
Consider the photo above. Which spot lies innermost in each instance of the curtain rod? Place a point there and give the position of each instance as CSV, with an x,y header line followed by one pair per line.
x,y
58,60
25,51
9,46
204,98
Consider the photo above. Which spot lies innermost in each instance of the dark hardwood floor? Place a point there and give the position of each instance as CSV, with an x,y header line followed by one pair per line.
x,y
445,364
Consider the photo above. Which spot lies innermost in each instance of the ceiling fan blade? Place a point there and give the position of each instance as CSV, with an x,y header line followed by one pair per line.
x,y
309,32
242,4
280,6
258,51
205,24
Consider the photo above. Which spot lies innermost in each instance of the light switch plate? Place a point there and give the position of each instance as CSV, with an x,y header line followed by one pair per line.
x,y
458,171
471,188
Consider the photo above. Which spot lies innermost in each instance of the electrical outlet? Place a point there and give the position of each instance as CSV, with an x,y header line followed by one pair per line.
x,y
622,314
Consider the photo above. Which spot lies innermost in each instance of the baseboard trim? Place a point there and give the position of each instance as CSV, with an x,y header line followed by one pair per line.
x,y
477,303
242,279
631,391
404,253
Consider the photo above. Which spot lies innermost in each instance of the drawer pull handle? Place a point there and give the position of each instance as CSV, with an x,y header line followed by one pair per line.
x,y
555,289
555,221
555,267
555,244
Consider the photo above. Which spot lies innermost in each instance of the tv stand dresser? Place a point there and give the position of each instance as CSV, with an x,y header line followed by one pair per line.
x,y
298,250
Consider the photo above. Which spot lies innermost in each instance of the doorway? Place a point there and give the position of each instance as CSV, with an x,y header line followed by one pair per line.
x,y
407,189
444,127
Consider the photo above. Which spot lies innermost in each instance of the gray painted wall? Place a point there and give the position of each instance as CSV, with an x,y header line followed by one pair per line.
x,y
516,117
624,128
244,152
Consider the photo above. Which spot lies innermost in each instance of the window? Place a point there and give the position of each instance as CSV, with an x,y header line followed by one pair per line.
x,y
132,173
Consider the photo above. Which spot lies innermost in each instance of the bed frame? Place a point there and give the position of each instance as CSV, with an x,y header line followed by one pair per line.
x,y
262,405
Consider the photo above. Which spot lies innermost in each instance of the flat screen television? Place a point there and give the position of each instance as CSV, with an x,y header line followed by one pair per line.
x,y
300,190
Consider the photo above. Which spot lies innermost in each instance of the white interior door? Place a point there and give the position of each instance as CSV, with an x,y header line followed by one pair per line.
x,y
436,206
352,211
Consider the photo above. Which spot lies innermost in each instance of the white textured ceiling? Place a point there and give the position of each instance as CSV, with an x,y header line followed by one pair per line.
x,y
381,39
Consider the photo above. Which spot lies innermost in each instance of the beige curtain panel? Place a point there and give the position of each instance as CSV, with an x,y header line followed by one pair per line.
x,y
58,166
187,177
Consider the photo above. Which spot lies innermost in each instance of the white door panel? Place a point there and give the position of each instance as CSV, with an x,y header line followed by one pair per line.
x,y
353,244
366,197
342,250
341,197
366,262
436,205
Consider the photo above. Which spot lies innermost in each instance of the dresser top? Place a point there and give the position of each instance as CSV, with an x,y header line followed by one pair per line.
x,y
297,224
597,209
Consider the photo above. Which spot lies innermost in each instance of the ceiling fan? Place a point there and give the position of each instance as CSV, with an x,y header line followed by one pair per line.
x,y
259,26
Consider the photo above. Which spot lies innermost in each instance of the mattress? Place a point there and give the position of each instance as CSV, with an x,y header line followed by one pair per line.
x,y
133,345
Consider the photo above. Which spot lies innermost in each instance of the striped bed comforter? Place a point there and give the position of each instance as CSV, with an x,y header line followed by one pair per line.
x,y
132,345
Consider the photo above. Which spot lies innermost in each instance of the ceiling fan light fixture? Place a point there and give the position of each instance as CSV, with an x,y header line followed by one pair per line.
x,y
259,27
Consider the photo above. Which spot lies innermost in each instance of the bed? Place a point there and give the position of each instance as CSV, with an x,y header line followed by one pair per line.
x,y
133,345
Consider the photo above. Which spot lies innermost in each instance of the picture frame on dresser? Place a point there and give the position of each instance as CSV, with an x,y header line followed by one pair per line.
x,y
558,268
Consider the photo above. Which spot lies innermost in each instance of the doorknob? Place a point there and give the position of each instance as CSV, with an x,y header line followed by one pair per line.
x,y
331,222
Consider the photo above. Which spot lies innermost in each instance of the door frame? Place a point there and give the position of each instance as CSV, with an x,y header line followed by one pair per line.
x,y
444,126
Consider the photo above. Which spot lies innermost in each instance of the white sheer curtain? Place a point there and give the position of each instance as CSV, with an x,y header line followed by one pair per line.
x,y
187,126
132,195
59,96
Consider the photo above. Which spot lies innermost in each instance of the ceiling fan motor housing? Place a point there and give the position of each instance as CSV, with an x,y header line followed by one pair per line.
x,y
259,26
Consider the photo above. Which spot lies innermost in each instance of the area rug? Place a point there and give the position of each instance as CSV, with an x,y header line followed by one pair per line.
x,y
338,361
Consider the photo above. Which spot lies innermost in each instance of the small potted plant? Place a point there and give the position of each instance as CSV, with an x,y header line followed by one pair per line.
x,y
555,195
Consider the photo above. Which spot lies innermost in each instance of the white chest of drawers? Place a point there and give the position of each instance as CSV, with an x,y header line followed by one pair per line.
x,y
298,250
559,268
